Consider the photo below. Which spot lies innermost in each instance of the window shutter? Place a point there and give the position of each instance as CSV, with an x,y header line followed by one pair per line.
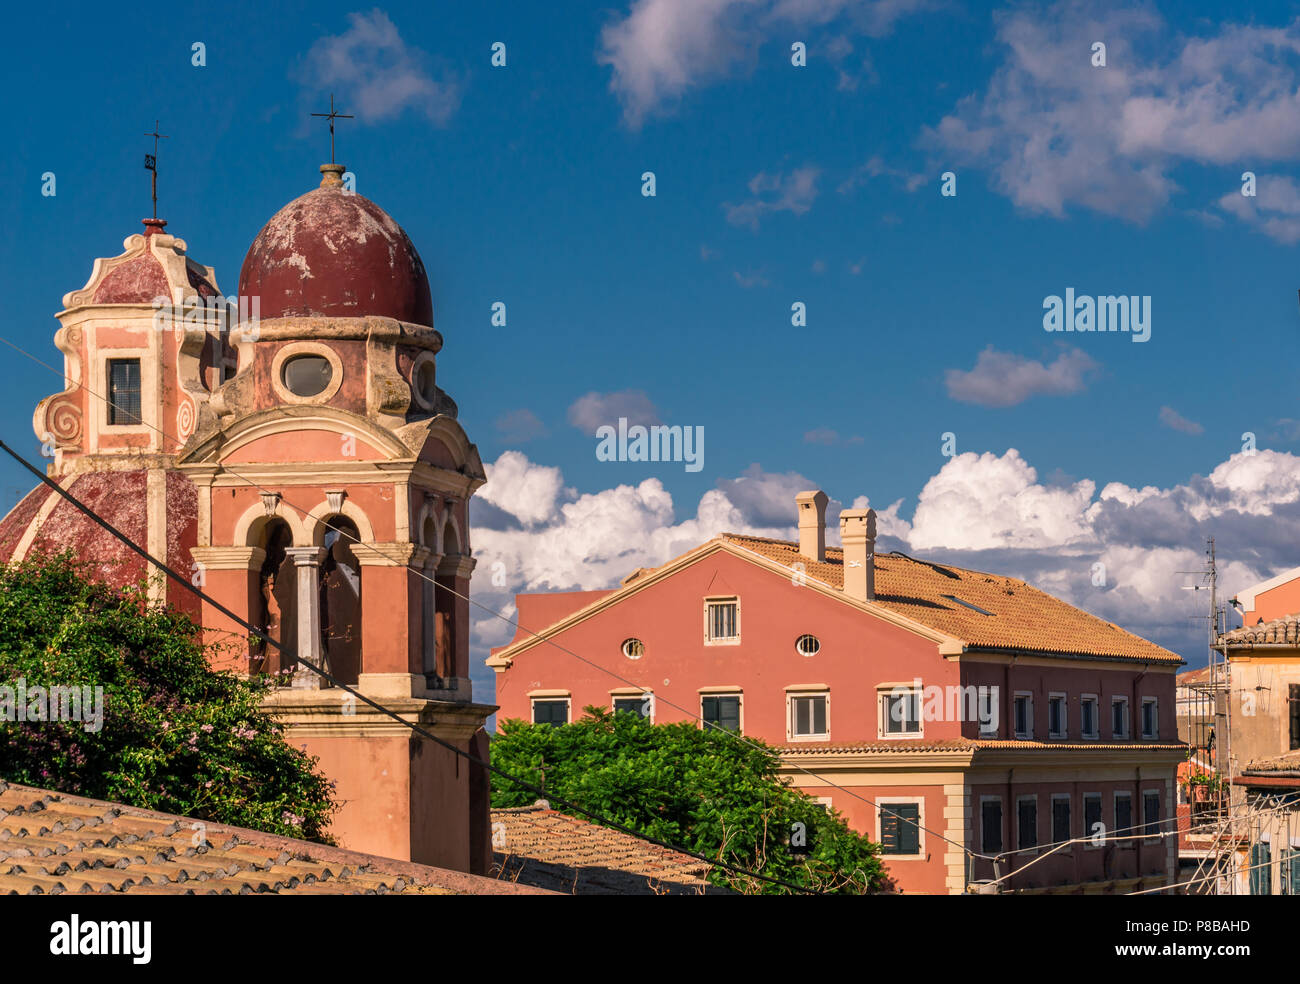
x,y
909,838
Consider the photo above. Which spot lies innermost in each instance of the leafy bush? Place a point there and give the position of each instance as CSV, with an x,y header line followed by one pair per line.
x,y
176,736
699,789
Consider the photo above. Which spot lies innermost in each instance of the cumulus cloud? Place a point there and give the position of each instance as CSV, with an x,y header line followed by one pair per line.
x,y
383,75
794,192
1174,420
1274,209
595,410
1117,552
661,49
1054,131
1003,379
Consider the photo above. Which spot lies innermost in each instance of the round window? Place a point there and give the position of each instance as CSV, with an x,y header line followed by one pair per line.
x,y
633,648
808,645
307,375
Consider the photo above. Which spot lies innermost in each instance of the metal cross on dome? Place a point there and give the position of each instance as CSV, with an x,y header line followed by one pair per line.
x,y
151,163
332,115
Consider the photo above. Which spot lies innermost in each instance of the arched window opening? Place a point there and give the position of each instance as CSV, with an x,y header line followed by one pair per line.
x,y
340,600
277,613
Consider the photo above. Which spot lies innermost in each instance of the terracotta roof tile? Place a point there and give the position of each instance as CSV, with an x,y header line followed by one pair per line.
x,y
973,745
536,845
1280,631
53,843
1021,616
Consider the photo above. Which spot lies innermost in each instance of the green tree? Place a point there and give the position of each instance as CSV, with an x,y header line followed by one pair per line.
x,y
699,789
175,737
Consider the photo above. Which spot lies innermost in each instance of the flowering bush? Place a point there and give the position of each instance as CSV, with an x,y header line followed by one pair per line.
x,y
176,736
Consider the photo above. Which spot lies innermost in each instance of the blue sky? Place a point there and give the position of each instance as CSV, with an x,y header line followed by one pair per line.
x,y
775,184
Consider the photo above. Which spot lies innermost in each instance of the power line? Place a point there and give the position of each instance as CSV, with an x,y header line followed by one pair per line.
x,y
379,707
353,538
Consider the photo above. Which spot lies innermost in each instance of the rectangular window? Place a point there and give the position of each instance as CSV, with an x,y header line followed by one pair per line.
x,y
1119,717
1293,699
1150,718
1092,816
1151,814
124,391
900,828
721,712
639,705
1261,869
1123,816
722,618
987,708
1024,715
808,716
900,713
1056,716
1088,721
1060,818
991,825
551,711
1027,822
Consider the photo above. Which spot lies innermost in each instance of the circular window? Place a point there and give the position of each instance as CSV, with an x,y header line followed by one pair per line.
x,y
808,645
633,648
307,375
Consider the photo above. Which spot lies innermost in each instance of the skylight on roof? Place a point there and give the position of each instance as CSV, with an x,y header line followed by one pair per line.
x,y
967,604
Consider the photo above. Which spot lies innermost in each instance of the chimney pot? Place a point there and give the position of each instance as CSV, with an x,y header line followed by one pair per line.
x,y
811,510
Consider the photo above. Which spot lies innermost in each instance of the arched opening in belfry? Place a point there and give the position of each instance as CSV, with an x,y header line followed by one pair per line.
x,y
428,605
444,617
340,600
277,605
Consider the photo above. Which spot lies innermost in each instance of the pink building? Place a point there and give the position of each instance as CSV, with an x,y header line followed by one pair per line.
x,y
952,715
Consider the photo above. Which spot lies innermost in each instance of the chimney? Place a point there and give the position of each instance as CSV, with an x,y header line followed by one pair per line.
x,y
811,508
858,534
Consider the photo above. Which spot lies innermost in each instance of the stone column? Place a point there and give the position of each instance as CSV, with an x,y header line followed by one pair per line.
x,y
307,560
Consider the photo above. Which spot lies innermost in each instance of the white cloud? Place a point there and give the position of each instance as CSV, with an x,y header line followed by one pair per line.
x,y
794,192
1274,209
1003,379
1054,131
382,74
595,410
1174,420
528,492
661,49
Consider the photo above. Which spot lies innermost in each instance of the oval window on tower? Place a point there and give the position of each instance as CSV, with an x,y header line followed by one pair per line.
x,y
307,375
425,383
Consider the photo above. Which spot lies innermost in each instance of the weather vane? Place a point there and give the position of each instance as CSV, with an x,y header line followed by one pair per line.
x,y
332,116
151,163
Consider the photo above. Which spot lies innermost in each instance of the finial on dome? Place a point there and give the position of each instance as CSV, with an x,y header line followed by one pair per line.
x,y
154,225
332,175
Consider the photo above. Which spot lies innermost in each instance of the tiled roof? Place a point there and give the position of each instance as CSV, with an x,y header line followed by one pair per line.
x,y
974,745
1021,617
1286,764
1284,630
535,845
51,844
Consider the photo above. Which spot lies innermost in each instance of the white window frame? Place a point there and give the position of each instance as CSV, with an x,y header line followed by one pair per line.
x,y
1095,734
1065,714
1038,824
1029,717
723,692
1154,704
986,695
1088,845
627,693
1002,834
1121,834
1128,717
148,393
919,802
711,600
550,698
883,693
793,694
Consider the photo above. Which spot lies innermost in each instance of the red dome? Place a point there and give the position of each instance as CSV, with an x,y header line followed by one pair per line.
x,y
333,253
